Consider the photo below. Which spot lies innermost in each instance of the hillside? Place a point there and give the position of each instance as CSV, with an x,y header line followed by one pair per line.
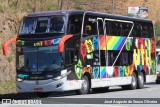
x,y
12,11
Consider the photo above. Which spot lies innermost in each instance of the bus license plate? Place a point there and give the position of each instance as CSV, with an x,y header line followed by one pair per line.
x,y
38,89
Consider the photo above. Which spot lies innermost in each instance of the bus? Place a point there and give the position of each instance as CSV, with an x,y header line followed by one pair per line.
x,y
158,65
82,50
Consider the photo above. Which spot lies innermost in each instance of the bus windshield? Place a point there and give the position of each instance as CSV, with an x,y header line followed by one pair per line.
x,y
38,59
34,25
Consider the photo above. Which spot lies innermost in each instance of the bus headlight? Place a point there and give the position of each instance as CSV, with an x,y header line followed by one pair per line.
x,y
57,78
19,79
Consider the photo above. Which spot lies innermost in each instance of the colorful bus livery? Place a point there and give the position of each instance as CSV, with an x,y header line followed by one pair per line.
x,y
82,50
137,53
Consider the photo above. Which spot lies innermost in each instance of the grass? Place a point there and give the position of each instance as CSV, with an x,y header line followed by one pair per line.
x,y
7,87
1,9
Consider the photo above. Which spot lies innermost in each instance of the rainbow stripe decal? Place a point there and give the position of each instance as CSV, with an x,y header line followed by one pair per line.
x,y
102,43
115,42
103,72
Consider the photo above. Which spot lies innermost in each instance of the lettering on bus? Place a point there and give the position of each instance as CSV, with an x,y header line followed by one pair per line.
x,y
40,43
56,41
47,42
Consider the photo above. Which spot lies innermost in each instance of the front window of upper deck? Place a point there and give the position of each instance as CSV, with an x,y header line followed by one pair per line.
x,y
35,25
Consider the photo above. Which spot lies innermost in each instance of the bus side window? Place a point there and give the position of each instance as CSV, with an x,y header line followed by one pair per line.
x,y
107,27
100,27
138,30
74,24
145,33
150,31
133,33
109,58
120,29
71,28
103,58
114,28
112,55
90,25
126,28
126,58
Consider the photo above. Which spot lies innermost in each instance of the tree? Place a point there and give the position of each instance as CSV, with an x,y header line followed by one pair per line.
x,y
60,4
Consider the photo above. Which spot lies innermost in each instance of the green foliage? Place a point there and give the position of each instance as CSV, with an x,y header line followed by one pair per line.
x,y
9,58
2,8
157,28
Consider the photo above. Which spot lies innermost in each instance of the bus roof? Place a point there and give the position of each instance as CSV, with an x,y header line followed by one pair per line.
x,y
63,12
57,12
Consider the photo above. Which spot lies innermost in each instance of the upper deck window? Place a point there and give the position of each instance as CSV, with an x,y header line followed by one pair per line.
x,y
54,24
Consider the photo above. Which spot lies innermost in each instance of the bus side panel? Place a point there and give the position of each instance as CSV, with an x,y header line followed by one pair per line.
x,y
92,60
144,55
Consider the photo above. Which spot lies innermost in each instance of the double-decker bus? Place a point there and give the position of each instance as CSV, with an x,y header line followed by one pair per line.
x,y
82,50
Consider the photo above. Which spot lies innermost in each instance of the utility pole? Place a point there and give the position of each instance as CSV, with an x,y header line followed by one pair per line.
x,y
113,2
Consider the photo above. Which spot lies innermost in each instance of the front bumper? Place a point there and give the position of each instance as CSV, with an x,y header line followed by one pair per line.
x,y
42,85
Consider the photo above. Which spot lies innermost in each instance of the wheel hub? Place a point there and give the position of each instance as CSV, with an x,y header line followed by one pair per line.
x,y
84,85
141,79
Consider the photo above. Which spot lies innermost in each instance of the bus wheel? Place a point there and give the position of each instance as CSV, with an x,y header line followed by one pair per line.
x,y
43,94
133,82
100,90
140,80
85,86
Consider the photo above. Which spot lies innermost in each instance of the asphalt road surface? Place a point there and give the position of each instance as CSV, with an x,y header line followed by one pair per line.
x,y
150,90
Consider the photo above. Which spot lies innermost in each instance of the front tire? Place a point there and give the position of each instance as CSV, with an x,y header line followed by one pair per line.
x,y
140,81
85,86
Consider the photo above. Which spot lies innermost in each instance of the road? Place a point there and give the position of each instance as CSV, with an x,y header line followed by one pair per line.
x,y
150,90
